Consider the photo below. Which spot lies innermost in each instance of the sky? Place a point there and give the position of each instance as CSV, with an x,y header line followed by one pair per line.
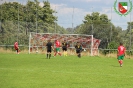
x,y
73,11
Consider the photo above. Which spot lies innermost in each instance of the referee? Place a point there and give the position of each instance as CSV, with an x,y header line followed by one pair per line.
x,y
49,49
78,48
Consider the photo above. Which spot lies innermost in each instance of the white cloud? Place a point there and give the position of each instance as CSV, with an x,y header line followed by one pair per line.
x,y
3,1
64,10
65,13
41,4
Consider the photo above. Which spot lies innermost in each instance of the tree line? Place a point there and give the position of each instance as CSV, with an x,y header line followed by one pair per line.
x,y
17,21
101,27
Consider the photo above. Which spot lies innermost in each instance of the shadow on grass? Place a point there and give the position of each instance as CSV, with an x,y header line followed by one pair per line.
x,y
115,66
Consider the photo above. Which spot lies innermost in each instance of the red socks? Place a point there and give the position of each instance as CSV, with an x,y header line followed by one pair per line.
x,y
58,53
120,61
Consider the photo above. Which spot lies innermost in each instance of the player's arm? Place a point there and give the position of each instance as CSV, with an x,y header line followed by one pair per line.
x,y
52,46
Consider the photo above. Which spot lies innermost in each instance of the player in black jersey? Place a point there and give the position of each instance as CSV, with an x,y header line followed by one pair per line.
x,y
49,48
78,48
64,47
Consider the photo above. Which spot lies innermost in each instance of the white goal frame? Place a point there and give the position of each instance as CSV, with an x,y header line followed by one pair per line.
x,y
36,40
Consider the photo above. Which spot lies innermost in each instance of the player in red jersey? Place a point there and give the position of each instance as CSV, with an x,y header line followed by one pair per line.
x,y
121,54
16,47
57,48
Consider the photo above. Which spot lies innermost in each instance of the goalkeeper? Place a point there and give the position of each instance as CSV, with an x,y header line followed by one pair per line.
x,y
78,48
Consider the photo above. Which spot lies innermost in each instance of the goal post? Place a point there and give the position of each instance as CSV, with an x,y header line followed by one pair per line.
x,y
38,41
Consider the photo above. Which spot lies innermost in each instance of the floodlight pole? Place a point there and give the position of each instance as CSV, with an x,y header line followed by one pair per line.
x,y
91,45
92,35
92,29
29,43
72,20
36,17
92,22
36,25
111,25
1,16
55,20
18,23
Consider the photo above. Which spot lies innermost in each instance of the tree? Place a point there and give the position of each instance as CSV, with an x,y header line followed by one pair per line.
x,y
129,35
100,27
18,20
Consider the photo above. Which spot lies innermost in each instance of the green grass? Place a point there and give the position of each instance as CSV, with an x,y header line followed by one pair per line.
x,y
34,71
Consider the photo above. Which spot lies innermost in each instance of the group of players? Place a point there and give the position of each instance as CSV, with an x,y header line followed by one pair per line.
x,y
64,46
120,51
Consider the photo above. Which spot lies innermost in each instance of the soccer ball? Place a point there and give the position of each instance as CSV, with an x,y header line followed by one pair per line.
x,y
84,49
36,51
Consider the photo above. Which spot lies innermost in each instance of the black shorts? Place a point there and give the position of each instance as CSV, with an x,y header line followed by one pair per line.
x,y
78,51
49,50
64,49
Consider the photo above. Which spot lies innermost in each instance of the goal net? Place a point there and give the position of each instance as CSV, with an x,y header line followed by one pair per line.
x,y
37,42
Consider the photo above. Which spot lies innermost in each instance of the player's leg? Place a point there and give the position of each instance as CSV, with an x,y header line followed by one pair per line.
x,y
65,51
55,52
77,51
121,62
17,51
47,53
58,50
50,53
118,57
79,54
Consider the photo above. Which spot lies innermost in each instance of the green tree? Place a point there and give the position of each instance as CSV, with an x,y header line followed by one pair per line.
x,y
100,27
18,20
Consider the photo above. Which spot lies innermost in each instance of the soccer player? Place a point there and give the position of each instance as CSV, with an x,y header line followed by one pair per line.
x,y
16,47
49,48
64,48
57,48
78,49
121,54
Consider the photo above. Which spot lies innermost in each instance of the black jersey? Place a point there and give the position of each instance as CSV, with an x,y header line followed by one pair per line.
x,y
64,45
78,47
49,46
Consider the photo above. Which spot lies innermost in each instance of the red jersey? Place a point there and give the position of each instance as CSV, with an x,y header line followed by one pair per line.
x,y
121,50
57,44
16,45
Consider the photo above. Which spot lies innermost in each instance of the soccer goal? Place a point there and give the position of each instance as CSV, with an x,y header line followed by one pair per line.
x,y
37,42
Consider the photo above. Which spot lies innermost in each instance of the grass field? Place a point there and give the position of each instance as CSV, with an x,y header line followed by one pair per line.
x,y
35,71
